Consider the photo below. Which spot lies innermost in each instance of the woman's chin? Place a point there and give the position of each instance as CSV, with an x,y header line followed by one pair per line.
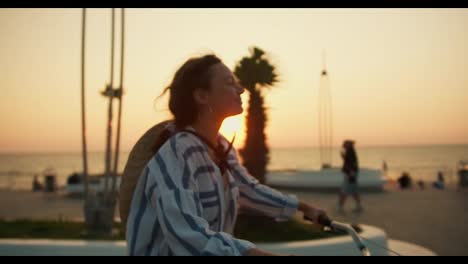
x,y
235,112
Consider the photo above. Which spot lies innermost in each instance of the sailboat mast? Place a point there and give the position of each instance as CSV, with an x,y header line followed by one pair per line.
x,y
325,117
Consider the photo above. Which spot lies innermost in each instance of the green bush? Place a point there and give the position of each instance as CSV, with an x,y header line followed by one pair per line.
x,y
264,229
49,229
252,228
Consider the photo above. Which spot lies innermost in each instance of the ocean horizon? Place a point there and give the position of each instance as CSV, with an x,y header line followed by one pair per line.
x,y
423,162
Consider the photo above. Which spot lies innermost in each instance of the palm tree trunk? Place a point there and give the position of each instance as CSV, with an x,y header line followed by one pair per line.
x,y
119,118
110,90
108,148
83,109
255,153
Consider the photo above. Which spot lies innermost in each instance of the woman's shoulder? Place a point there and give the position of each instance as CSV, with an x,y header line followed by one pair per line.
x,y
181,142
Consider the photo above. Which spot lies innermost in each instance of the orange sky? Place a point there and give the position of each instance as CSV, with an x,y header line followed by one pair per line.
x,y
397,76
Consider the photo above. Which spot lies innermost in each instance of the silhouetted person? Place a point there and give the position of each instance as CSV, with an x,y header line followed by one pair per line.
x,y
405,181
350,169
421,184
75,178
187,197
440,183
37,186
384,166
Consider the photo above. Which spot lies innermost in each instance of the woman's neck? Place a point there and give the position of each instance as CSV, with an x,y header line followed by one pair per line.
x,y
208,128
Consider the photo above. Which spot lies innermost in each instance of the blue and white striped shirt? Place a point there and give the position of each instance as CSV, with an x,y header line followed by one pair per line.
x,y
180,207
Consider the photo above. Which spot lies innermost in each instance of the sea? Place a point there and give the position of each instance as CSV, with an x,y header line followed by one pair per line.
x,y
17,170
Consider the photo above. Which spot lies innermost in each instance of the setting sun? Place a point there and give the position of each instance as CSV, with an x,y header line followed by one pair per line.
x,y
234,125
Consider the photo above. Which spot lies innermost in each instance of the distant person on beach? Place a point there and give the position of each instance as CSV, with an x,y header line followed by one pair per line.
x,y
187,196
384,166
350,170
405,181
37,186
421,184
440,183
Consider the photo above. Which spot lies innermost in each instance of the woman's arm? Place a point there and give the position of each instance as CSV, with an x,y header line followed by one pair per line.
x,y
266,200
262,199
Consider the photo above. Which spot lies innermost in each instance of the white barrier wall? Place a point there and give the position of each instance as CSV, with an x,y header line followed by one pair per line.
x,y
340,246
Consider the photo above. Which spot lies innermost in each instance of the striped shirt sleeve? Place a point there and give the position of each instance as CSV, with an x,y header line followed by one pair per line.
x,y
260,198
172,192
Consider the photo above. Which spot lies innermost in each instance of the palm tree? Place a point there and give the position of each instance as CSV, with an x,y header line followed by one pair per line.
x,y
119,93
109,92
99,209
83,109
255,72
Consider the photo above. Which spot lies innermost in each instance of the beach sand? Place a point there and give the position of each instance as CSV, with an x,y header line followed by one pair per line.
x,y
434,219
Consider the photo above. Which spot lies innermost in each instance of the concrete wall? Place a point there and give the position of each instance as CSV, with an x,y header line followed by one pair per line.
x,y
340,246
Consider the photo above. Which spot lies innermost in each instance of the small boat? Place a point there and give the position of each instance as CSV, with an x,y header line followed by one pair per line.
x,y
75,183
325,179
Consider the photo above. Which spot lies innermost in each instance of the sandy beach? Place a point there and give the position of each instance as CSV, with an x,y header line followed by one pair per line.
x,y
431,218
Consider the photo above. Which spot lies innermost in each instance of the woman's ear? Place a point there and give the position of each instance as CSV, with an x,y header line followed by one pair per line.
x,y
200,96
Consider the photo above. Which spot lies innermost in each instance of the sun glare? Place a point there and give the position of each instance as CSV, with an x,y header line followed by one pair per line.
x,y
233,125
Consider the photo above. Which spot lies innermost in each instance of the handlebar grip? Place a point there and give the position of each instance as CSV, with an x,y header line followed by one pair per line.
x,y
322,220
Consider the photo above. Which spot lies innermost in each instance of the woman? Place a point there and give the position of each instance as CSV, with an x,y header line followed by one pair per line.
x,y
350,169
187,197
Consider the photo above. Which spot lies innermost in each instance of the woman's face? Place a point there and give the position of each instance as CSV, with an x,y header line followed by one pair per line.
x,y
224,94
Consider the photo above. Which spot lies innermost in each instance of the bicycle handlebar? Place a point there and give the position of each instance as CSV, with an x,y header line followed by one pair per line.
x,y
325,221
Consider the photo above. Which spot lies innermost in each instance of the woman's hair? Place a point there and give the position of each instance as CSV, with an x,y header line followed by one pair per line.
x,y
193,74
